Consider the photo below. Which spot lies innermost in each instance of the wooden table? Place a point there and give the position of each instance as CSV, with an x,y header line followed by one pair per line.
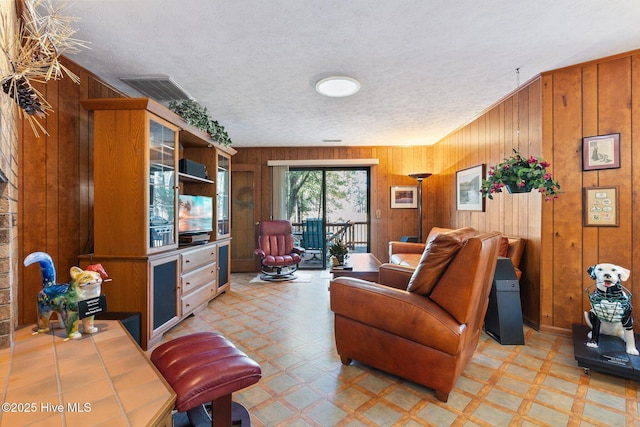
x,y
364,266
103,378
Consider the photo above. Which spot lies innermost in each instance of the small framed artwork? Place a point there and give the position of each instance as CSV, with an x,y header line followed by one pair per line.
x,y
601,152
468,183
404,197
601,206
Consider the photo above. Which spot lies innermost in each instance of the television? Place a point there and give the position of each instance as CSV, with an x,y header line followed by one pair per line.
x,y
195,215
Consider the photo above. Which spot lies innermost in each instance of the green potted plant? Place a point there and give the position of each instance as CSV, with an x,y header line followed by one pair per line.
x,y
198,116
338,250
520,175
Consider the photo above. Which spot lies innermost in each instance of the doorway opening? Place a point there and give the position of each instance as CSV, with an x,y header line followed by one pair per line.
x,y
326,204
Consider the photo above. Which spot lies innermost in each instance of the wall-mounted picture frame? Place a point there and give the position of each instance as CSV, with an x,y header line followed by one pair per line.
x,y
601,152
468,183
404,197
601,206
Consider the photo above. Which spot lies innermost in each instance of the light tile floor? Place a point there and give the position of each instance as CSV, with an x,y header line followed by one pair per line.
x,y
287,328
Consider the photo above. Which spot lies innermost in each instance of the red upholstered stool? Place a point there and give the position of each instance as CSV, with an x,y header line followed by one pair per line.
x,y
206,367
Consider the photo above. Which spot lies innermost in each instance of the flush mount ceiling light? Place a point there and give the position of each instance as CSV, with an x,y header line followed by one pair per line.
x,y
338,86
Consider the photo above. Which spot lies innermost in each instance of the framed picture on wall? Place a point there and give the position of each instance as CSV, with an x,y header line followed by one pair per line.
x,y
404,197
468,183
601,206
601,152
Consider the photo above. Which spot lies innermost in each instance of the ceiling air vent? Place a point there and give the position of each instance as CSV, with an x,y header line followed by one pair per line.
x,y
160,88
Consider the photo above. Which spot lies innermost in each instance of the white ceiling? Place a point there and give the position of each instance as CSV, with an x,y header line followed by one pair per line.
x,y
426,66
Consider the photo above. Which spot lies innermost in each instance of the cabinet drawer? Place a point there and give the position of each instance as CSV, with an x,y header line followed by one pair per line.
x,y
198,298
194,258
196,278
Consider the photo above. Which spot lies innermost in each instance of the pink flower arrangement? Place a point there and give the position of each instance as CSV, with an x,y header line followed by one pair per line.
x,y
525,174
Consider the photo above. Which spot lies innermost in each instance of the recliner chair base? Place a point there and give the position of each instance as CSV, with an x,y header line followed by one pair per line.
x,y
269,278
278,274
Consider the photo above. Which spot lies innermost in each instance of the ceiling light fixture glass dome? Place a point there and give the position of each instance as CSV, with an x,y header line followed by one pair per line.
x,y
338,86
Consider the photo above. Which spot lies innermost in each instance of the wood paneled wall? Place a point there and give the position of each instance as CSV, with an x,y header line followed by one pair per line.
x,y
56,185
597,98
554,112
513,123
395,163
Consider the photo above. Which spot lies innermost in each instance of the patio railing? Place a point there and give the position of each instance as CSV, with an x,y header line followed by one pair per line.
x,y
355,237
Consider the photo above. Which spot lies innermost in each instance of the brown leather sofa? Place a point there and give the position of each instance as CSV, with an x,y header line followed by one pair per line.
x,y
421,324
407,253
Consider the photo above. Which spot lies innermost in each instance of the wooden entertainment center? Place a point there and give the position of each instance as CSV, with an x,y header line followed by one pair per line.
x,y
137,146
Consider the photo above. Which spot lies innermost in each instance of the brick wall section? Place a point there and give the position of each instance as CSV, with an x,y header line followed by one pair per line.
x,y
8,199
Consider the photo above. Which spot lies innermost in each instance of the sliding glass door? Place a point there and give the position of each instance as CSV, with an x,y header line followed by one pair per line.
x,y
326,204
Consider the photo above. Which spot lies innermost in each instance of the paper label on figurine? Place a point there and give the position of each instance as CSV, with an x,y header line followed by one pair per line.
x,y
90,307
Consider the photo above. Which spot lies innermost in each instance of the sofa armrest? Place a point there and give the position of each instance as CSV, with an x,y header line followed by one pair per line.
x,y
395,275
514,252
405,248
405,314
516,248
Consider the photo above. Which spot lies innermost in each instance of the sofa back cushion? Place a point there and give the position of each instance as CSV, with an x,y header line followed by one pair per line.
x,y
464,287
436,231
436,257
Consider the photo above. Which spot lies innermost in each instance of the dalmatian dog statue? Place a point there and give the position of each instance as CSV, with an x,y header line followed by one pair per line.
x,y
611,313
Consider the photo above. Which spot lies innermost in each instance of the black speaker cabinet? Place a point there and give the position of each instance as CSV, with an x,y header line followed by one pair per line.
x,y
503,321
192,168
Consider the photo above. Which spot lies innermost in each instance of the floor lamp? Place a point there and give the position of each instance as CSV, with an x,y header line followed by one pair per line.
x,y
420,177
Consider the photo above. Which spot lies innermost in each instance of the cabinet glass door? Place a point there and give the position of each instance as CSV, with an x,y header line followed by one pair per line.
x,y
162,191
222,196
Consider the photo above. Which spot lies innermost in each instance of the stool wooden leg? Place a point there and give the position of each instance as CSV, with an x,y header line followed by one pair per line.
x,y
221,409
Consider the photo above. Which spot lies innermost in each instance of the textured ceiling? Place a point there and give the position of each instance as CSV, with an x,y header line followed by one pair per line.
x,y
426,66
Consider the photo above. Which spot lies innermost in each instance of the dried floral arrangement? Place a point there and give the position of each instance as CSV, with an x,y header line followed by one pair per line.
x,y
33,55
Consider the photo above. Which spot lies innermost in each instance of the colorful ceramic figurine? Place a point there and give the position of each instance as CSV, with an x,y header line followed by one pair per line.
x,y
63,298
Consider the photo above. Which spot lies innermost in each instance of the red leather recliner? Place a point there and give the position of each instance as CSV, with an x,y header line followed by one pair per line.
x,y
279,258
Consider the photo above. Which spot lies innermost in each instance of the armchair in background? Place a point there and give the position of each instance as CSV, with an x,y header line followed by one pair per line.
x,y
279,258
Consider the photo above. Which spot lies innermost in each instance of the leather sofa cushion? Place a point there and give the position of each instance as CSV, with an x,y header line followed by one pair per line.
x,y
454,292
395,276
406,259
436,257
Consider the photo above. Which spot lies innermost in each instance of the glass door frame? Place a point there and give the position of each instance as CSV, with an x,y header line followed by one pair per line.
x,y
323,201
162,160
